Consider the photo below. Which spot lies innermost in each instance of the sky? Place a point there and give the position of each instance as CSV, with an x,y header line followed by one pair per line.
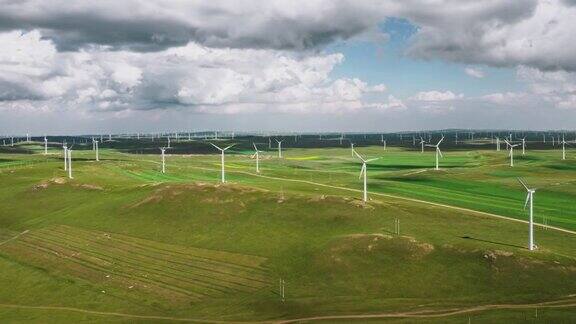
x,y
126,66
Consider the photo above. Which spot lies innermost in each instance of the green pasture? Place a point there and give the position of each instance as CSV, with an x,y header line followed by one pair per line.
x,y
121,237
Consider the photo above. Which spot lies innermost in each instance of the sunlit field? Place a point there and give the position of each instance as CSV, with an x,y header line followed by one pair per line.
x,y
122,237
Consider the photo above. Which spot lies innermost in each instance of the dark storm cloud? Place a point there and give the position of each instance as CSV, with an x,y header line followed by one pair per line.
x,y
155,25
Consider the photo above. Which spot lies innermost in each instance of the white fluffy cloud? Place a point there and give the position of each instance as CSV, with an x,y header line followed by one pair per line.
x,y
474,72
205,79
556,89
435,101
249,55
434,95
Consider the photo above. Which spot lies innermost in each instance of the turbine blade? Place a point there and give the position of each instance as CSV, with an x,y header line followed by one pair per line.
x,y
523,184
374,159
527,198
440,152
216,146
227,147
440,140
362,171
358,155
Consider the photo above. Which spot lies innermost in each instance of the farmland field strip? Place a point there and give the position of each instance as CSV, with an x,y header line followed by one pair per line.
x,y
89,263
207,273
256,271
211,258
157,272
221,268
512,207
50,253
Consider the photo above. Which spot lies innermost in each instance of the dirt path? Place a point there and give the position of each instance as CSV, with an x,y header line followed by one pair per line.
x,y
562,303
13,238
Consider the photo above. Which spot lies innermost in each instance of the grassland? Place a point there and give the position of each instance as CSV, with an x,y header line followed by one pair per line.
x,y
121,237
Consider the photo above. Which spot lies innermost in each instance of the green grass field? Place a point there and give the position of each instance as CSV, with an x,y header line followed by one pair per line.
x,y
122,239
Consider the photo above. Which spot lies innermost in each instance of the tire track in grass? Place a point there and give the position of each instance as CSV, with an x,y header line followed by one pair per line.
x,y
49,252
218,285
429,313
216,260
155,271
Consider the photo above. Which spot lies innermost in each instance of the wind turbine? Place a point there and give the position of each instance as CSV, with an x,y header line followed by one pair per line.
x,y
511,153
70,163
363,172
45,145
352,149
168,142
523,145
65,157
279,148
563,148
96,147
498,144
222,150
257,155
530,199
163,150
438,152
422,142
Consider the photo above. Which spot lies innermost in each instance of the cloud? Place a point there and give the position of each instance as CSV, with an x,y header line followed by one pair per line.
x,y
435,96
505,98
158,24
495,32
208,80
474,72
436,102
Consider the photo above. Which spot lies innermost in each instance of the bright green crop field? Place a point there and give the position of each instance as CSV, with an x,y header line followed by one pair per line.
x,y
123,242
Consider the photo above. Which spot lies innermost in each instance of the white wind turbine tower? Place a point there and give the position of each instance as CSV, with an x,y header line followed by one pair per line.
x,y
163,151
352,149
523,145
257,156
45,145
563,148
363,172
530,200
511,153
279,148
422,142
70,163
438,152
168,142
498,144
222,150
95,142
65,157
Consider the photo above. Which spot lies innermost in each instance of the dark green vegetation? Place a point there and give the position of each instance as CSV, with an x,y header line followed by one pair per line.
x,y
122,237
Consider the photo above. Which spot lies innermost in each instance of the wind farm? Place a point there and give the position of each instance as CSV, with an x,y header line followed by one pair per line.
x,y
288,162
128,211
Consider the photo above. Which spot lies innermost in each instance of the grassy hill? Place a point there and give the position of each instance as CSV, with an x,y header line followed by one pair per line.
x,y
123,238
